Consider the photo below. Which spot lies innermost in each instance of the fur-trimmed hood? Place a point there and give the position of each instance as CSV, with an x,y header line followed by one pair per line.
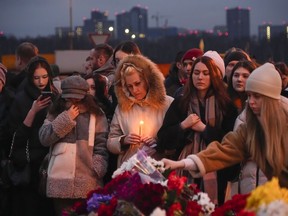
x,y
155,79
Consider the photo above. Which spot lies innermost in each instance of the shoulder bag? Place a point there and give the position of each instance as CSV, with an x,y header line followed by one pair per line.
x,y
13,175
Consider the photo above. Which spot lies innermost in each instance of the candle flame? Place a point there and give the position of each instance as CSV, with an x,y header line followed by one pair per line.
x,y
141,122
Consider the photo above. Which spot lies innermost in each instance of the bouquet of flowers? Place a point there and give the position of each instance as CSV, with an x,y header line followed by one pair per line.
x,y
139,188
266,200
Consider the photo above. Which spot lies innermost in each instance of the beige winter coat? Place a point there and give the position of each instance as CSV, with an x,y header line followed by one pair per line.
x,y
130,112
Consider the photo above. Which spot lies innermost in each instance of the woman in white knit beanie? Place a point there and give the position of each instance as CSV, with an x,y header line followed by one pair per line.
x,y
263,136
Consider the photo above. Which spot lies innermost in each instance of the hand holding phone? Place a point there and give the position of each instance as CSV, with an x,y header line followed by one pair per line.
x,y
46,94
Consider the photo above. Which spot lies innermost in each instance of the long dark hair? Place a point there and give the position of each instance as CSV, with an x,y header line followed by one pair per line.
x,y
40,62
216,88
128,47
234,95
100,82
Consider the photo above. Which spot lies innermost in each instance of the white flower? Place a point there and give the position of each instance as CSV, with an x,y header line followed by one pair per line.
x,y
158,164
158,212
275,208
203,200
125,166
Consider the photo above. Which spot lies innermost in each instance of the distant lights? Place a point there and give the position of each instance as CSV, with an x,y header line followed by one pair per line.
x,y
181,35
133,36
268,32
141,35
111,29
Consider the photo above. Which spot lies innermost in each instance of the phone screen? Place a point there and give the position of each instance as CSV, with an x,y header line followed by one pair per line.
x,y
46,94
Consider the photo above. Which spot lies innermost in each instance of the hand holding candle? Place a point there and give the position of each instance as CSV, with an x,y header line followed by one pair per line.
x,y
141,127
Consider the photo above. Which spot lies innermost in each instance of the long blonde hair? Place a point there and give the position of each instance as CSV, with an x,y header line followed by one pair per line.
x,y
266,138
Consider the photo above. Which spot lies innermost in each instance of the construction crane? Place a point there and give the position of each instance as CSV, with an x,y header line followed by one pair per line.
x,y
157,17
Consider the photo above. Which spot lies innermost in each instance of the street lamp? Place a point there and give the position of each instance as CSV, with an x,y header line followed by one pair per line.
x,y
71,25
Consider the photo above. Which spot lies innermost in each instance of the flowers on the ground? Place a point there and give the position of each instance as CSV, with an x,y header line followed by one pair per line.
x,y
139,188
268,199
267,193
232,207
143,190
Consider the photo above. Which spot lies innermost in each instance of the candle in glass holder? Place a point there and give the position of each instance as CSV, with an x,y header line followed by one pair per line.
x,y
140,127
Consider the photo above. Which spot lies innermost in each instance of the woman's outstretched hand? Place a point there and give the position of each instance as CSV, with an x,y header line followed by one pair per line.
x,y
171,164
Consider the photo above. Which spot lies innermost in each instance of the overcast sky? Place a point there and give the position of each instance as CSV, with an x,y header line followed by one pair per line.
x,y
40,17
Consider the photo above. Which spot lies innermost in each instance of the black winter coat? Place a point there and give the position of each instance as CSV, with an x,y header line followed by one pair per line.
x,y
18,112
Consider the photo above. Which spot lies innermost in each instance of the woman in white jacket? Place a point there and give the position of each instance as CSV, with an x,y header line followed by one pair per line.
x,y
142,104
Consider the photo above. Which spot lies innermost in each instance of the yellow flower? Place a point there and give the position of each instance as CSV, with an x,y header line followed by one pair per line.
x,y
265,194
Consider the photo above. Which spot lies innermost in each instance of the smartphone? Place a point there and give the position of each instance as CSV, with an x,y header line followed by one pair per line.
x,y
46,94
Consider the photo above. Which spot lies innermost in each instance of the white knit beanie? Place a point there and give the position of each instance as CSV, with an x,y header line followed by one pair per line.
x,y
265,80
217,59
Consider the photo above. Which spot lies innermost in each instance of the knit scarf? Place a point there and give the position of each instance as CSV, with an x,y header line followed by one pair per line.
x,y
213,117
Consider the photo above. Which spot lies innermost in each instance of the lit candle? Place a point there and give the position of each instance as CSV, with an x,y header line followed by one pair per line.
x,y
140,127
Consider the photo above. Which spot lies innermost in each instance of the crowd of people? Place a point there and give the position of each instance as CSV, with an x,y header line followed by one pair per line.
x,y
221,121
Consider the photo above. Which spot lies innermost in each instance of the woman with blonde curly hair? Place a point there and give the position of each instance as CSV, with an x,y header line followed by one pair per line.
x,y
142,104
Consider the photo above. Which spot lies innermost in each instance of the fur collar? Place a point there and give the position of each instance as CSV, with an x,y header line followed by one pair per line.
x,y
156,94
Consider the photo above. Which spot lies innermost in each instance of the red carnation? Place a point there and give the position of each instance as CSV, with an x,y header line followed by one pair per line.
x,y
175,209
176,183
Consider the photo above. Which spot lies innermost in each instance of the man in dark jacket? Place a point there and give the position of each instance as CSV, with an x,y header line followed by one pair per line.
x,y
175,78
24,52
